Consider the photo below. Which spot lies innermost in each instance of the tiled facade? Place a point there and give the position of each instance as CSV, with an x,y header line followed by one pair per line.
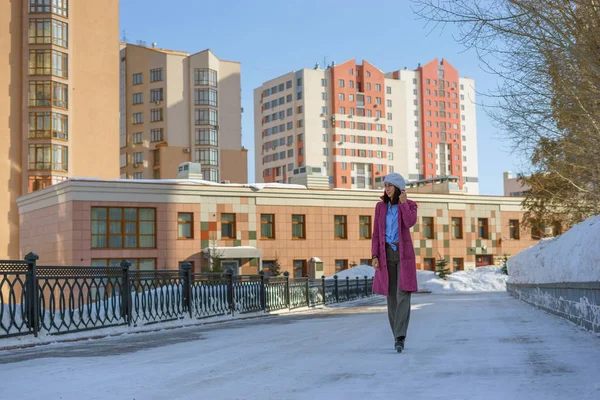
x,y
57,224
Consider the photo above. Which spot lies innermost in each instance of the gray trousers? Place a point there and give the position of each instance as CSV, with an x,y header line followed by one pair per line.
x,y
398,301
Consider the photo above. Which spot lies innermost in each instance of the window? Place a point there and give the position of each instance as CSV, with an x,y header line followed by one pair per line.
x,y
429,264
556,228
156,74
120,227
37,182
267,226
156,114
482,228
137,138
185,225
537,231
48,157
428,227
156,172
205,116
205,76
513,227
138,98
207,137
364,228
138,118
58,7
340,265
298,227
300,269
138,157
206,97
48,94
48,62
138,78
156,135
207,156
156,158
228,226
458,264
340,227
156,95
48,31
210,174
457,232
45,125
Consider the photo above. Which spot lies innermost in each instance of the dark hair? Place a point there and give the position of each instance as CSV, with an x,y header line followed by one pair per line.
x,y
395,197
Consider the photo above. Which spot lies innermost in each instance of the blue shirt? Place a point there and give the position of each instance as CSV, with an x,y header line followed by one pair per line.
x,y
391,225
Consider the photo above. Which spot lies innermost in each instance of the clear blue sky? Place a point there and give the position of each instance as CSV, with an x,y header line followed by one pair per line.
x,y
272,37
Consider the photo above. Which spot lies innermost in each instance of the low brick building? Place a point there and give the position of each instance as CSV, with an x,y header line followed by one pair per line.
x,y
157,224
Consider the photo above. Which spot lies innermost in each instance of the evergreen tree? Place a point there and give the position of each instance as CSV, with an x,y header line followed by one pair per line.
x,y
441,268
275,269
505,265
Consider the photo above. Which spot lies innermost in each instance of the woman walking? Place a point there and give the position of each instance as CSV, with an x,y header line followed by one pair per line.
x,y
394,255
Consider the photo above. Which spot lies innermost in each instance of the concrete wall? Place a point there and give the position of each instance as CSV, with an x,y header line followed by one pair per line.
x,y
577,302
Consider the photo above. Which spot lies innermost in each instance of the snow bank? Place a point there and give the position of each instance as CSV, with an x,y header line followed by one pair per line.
x,y
481,279
571,257
358,271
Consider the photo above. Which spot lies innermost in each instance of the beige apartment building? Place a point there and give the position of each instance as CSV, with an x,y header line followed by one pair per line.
x,y
176,108
59,105
309,231
355,124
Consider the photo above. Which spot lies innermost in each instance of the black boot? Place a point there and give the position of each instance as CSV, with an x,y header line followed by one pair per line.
x,y
399,344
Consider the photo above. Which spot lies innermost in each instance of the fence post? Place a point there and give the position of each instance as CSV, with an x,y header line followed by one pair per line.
x,y
323,287
347,288
186,286
337,292
126,293
366,286
307,292
230,295
263,302
32,296
357,288
287,288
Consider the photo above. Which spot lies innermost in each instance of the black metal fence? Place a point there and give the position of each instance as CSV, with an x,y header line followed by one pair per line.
x,y
57,300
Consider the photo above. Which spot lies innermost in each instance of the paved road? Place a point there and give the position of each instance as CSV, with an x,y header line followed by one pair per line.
x,y
464,346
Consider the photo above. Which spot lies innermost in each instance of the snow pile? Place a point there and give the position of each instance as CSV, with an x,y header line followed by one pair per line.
x,y
481,279
359,271
571,257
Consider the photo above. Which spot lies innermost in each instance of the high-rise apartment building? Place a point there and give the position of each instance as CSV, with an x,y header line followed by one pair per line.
x,y
357,124
177,107
59,107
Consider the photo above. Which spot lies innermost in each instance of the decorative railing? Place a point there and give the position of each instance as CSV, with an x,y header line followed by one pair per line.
x,y
58,300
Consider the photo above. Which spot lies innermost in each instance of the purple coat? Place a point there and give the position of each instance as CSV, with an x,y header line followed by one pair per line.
x,y
407,218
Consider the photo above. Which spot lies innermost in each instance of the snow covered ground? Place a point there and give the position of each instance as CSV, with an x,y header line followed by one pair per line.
x,y
571,257
481,279
460,346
